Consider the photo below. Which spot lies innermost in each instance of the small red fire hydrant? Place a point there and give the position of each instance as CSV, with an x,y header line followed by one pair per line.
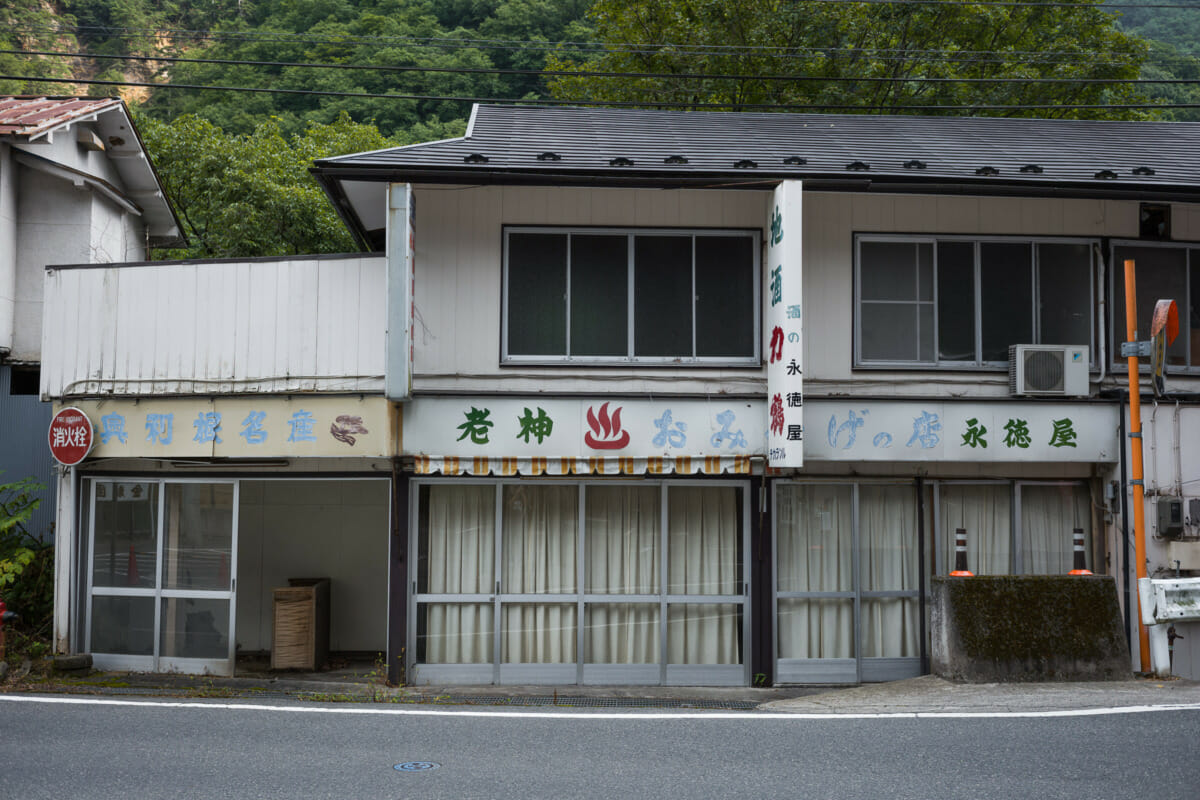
x,y
5,616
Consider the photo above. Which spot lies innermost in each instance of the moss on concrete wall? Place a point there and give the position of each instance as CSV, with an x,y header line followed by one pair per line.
x,y
1026,628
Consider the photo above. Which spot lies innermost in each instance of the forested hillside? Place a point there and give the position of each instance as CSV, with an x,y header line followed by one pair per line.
x,y
236,97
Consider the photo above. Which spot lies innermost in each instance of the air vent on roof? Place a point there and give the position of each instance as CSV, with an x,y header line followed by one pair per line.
x,y
475,158
1143,171
858,166
1106,175
795,160
675,160
621,161
745,163
1031,169
549,156
914,164
987,171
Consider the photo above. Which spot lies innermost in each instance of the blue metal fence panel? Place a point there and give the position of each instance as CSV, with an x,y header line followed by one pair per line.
x,y
24,453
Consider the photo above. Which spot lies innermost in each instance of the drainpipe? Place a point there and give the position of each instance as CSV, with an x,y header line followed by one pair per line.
x,y
1100,340
1125,521
8,248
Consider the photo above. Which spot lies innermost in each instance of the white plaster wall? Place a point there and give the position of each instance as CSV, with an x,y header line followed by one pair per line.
x,y
8,246
54,226
116,235
308,529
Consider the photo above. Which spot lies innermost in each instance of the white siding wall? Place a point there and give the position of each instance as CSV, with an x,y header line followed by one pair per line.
x,y
215,328
459,276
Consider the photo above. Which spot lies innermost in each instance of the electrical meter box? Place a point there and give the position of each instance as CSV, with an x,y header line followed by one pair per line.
x,y
1170,517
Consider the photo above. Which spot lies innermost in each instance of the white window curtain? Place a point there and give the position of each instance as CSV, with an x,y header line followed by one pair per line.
x,y
624,535
985,512
890,561
539,557
815,553
1049,515
704,558
459,559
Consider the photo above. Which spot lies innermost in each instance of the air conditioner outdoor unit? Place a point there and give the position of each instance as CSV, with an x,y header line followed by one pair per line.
x,y
1048,370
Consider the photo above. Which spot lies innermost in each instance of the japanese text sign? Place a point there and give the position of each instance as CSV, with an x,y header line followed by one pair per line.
x,y
70,436
784,329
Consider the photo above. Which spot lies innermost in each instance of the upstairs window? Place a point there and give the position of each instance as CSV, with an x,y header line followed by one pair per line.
x,y
1163,272
618,296
960,302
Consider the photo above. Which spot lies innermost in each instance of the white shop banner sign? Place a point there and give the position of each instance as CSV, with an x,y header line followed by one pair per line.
x,y
852,430
784,329
839,430
582,428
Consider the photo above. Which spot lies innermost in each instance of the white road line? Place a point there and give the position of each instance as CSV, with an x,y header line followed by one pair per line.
x,y
584,714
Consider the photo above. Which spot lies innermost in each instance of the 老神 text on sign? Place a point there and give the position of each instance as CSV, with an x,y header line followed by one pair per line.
x,y
71,436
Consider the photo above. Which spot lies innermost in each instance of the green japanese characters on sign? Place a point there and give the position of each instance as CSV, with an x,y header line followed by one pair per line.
x,y
1064,433
1017,434
476,426
539,427
974,435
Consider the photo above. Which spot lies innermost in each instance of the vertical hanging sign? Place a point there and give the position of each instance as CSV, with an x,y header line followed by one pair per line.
x,y
401,282
784,330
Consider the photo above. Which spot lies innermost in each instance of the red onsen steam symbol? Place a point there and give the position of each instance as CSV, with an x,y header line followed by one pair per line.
x,y
607,430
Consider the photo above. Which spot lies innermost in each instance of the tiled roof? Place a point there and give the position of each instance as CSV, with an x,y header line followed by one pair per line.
x,y
29,117
519,142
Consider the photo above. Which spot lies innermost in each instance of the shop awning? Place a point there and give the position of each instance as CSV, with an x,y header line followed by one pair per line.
x,y
484,465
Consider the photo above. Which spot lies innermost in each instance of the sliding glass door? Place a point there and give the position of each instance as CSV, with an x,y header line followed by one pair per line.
x,y
604,582
848,563
161,575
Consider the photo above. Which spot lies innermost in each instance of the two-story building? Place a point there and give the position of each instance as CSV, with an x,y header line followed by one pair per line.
x,y
639,397
75,186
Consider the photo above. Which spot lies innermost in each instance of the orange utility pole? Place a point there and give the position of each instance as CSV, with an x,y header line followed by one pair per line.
x,y
1135,444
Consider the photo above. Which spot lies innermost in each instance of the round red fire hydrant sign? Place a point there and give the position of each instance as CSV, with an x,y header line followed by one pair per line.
x,y
71,436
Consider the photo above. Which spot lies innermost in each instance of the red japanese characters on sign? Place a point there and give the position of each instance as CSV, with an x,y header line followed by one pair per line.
x,y
71,436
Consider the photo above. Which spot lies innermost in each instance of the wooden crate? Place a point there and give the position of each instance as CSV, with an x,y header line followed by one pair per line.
x,y
301,630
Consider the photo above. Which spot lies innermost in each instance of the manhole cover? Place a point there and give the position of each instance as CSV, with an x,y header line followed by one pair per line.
x,y
417,766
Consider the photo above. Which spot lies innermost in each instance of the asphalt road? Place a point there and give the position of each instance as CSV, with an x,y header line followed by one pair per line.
x,y
148,748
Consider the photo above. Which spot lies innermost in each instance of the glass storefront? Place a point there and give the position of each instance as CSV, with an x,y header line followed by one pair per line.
x,y
609,582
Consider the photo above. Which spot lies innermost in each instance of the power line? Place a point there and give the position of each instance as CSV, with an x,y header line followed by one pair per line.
x,y
600,48
594,73
618,104
966,57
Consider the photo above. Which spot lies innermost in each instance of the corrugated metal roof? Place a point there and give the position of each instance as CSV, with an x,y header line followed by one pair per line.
x,y
30,117
1038,154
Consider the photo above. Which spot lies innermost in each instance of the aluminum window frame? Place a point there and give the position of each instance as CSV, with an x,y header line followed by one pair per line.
x,y
978,363
1116,316
630,357
583,672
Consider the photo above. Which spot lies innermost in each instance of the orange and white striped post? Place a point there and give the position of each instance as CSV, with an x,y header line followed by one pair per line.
x,y
960,555
1080,565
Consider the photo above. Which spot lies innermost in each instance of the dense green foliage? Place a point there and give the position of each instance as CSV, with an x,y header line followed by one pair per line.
x,y
881,58
1174,38
235,163
32,25
251,194
1178,27
26,565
